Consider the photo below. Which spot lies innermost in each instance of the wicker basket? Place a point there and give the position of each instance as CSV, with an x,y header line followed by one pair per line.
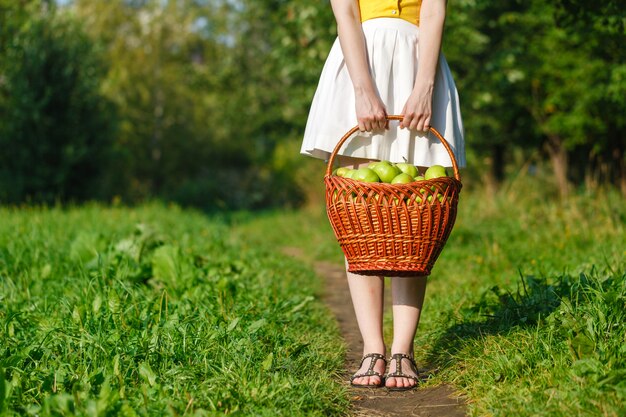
x,y
392,229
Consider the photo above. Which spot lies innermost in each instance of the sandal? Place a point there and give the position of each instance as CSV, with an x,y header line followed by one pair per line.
x,y
399,374
370,371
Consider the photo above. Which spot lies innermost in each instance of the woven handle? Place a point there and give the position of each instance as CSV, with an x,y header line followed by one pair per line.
x,y
345,137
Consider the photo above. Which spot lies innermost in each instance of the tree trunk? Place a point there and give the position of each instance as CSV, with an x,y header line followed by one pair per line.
x,y
497,167
621,170
559,160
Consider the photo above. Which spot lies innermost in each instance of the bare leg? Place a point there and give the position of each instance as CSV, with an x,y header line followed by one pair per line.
x,y
407,297
367,298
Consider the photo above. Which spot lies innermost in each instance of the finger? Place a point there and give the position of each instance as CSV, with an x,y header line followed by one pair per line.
x,y
361,126
407,120
382,121
415,122
423,123
403,113
427,123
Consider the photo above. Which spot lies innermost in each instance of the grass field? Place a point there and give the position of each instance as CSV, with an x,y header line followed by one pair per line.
x,y
154,311
161,311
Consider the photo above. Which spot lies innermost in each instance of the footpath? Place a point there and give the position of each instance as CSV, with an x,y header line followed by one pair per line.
x,y
438,401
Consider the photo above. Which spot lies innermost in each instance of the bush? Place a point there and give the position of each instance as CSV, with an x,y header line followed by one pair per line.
x,y
56,128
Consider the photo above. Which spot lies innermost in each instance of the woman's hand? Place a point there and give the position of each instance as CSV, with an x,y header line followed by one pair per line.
x,y
370,111
418,109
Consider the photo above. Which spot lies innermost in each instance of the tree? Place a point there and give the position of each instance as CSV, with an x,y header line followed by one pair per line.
x,y
535,76
56,128
601,29
486,45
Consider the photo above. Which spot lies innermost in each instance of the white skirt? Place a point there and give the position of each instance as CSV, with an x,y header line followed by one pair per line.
x,y
393,53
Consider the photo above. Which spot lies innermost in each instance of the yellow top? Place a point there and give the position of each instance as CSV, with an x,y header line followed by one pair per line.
x,y
408,10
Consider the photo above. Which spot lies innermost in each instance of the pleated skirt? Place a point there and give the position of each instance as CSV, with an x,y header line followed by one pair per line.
x,y
392,50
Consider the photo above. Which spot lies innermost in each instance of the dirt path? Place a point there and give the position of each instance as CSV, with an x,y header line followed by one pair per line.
x,y
439,401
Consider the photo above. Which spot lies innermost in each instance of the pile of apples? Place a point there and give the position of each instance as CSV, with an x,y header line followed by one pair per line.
x,y
391,173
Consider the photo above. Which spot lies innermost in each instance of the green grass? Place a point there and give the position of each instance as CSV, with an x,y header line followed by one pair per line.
x,y
526,307
155,311
161,311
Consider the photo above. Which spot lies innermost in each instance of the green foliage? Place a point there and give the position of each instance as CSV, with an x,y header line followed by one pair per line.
x,y
57,129
154,310
534,77
205,102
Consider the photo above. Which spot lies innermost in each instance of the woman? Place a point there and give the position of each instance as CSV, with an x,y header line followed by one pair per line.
x,y
386,60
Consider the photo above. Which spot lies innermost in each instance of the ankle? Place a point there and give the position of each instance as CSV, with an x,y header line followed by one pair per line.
x,y
407,350
374,348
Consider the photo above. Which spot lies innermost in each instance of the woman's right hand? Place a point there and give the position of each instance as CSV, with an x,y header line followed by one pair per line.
x,y
370,111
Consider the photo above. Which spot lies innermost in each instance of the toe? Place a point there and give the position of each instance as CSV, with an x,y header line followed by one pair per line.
x,y
374,380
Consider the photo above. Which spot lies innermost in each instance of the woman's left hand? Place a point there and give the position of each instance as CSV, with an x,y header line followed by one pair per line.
x,y
418,108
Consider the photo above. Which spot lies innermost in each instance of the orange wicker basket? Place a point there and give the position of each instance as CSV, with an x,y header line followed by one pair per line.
x,y
392,229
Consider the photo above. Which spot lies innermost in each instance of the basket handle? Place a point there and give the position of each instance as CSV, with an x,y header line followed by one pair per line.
x,y
345,137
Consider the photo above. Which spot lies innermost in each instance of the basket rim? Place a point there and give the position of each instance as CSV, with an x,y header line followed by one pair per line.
x,y
349,133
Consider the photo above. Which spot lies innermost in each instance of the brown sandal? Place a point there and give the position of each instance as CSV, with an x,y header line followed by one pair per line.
x,y
399,374
370,371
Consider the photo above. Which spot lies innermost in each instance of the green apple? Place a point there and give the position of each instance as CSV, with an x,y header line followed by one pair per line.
x,y
386,172
341,172
379,162
439,197
349,174
435,171
365,175
402,178
419,178
408,169
416,200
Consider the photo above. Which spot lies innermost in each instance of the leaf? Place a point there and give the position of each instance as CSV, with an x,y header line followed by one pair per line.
x,y
129,248
267,363
256,325
116,365
233,324
169,265
45,271
84,247
147,373
164,263
302,304
97,303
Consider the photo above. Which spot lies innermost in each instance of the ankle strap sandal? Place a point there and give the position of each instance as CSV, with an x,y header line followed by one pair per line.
x,y
398,373
374,357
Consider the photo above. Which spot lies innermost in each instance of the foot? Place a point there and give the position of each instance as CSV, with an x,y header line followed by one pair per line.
x,y
370,374
403,374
